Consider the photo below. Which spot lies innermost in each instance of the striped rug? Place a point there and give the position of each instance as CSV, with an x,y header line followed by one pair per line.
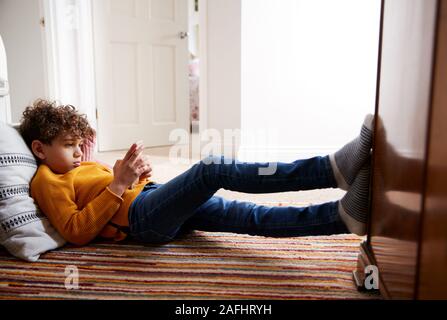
x,y
202,265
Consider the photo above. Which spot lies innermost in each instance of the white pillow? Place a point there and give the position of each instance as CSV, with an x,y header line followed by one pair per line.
x,y
24,231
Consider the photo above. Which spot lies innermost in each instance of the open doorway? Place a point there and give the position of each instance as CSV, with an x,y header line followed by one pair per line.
x,y
135,54
193,64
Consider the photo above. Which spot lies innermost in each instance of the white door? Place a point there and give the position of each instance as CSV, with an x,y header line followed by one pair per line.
x,y
141,69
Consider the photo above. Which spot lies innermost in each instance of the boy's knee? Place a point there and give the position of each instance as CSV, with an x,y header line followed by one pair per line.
x,y
206,168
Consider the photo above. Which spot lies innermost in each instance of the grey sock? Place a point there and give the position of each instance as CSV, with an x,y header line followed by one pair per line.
x,y
347,161
353,207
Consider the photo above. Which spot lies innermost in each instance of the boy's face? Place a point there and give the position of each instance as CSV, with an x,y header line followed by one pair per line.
x,y
63,155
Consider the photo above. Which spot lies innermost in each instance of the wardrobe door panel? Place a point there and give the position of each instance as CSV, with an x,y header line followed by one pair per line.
x,y
433,256
400,141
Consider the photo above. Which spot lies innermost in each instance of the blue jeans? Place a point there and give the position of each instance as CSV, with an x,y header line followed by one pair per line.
x,y
162,211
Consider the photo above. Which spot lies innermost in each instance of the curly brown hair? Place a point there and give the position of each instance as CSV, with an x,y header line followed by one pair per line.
x,y
45,121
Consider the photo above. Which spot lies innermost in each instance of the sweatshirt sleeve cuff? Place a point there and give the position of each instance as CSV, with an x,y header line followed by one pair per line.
x,y
114,195
107,201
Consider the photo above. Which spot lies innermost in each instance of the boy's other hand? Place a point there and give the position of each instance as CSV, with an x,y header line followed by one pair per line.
x,y
148,169
88,148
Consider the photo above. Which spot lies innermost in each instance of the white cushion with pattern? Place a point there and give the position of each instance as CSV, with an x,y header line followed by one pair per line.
x,y
24,231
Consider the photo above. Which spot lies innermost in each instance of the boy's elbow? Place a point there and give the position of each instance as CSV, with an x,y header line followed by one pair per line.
x,y
77,238
78,242
76,233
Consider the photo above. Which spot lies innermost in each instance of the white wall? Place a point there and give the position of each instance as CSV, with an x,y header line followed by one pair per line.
x,y
21,33
223,64
308,75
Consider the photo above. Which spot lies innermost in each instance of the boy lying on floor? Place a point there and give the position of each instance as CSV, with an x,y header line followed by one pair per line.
x,y
84,200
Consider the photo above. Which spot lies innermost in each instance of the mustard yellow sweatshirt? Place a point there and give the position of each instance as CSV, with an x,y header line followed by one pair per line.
x,y
79,203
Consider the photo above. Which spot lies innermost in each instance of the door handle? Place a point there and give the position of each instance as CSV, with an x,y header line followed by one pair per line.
x,y
183,35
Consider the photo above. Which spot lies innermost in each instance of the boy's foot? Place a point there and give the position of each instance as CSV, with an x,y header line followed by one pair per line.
x,y
347,161
353,207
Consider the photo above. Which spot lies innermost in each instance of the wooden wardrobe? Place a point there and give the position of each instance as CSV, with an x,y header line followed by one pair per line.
x,y
407,229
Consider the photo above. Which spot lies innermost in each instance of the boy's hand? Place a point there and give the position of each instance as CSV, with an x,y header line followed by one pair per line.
x,y
129,169
88,148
